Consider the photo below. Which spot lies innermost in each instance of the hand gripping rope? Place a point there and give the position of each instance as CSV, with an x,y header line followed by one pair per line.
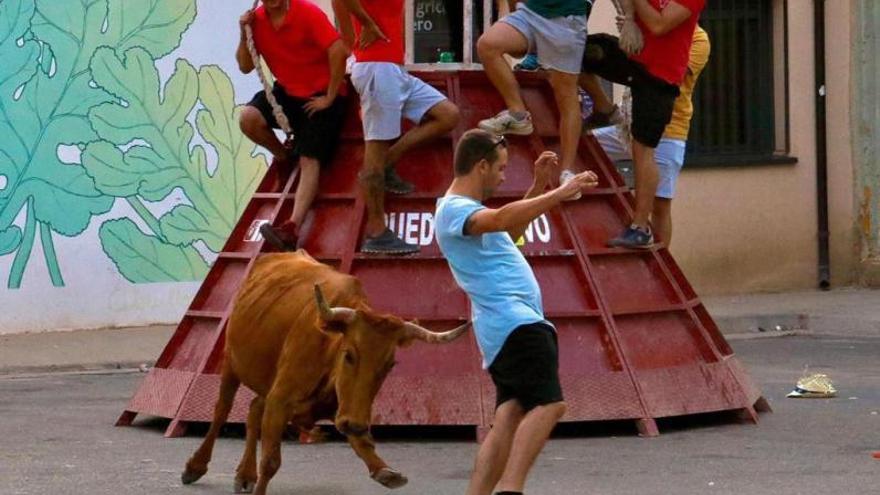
x,y
631,40
277,111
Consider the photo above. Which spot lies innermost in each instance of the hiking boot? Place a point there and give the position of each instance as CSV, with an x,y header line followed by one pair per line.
x,y
598,119
566,176
506,123
387,243
283,238
395,184
634,237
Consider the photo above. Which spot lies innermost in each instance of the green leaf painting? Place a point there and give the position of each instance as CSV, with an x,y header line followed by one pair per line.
x,y
164,158
81,75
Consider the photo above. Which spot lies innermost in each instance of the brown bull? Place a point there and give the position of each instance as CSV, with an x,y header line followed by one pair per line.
x,y
307,360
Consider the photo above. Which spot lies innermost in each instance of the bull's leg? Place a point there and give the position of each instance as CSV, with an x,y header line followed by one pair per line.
x,y
275,418
246,474
197,465
365,448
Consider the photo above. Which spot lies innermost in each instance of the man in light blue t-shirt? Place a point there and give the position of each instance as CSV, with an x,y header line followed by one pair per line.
x,y
518,344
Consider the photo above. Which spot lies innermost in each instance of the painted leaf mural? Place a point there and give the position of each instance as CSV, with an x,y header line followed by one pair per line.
x,y
44,106
163,158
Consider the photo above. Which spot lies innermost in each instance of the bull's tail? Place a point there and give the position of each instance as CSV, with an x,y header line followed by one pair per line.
x,y
197,465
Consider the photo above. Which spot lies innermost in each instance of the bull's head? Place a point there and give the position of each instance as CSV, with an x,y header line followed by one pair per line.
x,y
369,341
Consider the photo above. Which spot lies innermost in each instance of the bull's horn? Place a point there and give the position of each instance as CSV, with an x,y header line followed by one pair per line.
x,y
421,333
345,315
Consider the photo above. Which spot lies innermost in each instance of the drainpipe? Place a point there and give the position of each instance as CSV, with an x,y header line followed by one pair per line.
x,y
821,145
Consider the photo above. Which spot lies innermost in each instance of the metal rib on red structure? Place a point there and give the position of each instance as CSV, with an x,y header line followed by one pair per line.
x,y
635,341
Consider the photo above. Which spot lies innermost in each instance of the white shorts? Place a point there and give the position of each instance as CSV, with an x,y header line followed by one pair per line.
x,y
669,156
559,42
388,93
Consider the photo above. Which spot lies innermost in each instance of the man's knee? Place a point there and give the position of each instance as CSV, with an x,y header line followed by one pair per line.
x,y
447,114
558,409
251,121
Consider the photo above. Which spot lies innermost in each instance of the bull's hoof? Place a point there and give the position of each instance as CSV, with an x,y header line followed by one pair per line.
x,y
190,476
244,486
389,478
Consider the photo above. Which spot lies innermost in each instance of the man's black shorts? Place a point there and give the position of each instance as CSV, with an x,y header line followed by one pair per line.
x,y
653,99
527,367
314,137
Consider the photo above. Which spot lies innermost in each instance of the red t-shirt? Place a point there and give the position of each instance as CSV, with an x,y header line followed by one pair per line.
x,y
666,57
296,52
388,15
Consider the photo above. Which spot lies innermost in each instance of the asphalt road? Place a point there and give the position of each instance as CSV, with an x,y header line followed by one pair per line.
x,y
57,437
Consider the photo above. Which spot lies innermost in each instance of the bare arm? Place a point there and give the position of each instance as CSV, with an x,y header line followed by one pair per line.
x,y
661,22
343,21
370,31
338,55
513,216
546,162
242,55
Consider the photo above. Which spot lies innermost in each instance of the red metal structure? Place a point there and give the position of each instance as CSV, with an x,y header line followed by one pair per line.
x,y
635,341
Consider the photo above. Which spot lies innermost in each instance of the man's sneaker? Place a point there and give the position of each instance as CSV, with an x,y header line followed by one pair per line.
x,y
597,119
395,185
284,238
387,243
505,123
528,64
566,176
633,238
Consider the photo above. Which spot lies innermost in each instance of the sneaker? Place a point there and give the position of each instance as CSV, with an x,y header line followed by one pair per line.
x,y
597,119
633,238
528,64
283,238
395,185
387,243
566,176
505,123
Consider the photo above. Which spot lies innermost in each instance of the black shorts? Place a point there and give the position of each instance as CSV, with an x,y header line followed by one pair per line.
x,y
314,137
527,367
653,99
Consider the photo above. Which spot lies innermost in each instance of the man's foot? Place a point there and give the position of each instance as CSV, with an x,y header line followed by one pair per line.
x,y
566,176
284,238
634,237
506,123
528,64
598,119
395,184
387,243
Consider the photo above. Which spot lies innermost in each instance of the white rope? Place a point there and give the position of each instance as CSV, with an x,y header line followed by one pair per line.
x,y
277,111
631,40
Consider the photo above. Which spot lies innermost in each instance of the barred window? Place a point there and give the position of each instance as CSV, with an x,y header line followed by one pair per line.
x,y
736,98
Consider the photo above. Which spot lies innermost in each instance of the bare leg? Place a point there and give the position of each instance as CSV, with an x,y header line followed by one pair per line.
x,y
255,127
365,448
531,435
197,465
306,190
501,39
601,102
661,220
440,119
372,181
495,450
246,473
565,89
274,421
647,178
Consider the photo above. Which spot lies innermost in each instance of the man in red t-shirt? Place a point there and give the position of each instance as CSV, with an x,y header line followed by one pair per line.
x,y
654,75
307,57
388,93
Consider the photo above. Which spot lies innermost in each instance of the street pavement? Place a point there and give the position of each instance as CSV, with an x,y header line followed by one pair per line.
x,y
57,437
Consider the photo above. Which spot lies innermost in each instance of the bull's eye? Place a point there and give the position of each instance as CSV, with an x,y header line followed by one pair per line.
x,y
349,357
